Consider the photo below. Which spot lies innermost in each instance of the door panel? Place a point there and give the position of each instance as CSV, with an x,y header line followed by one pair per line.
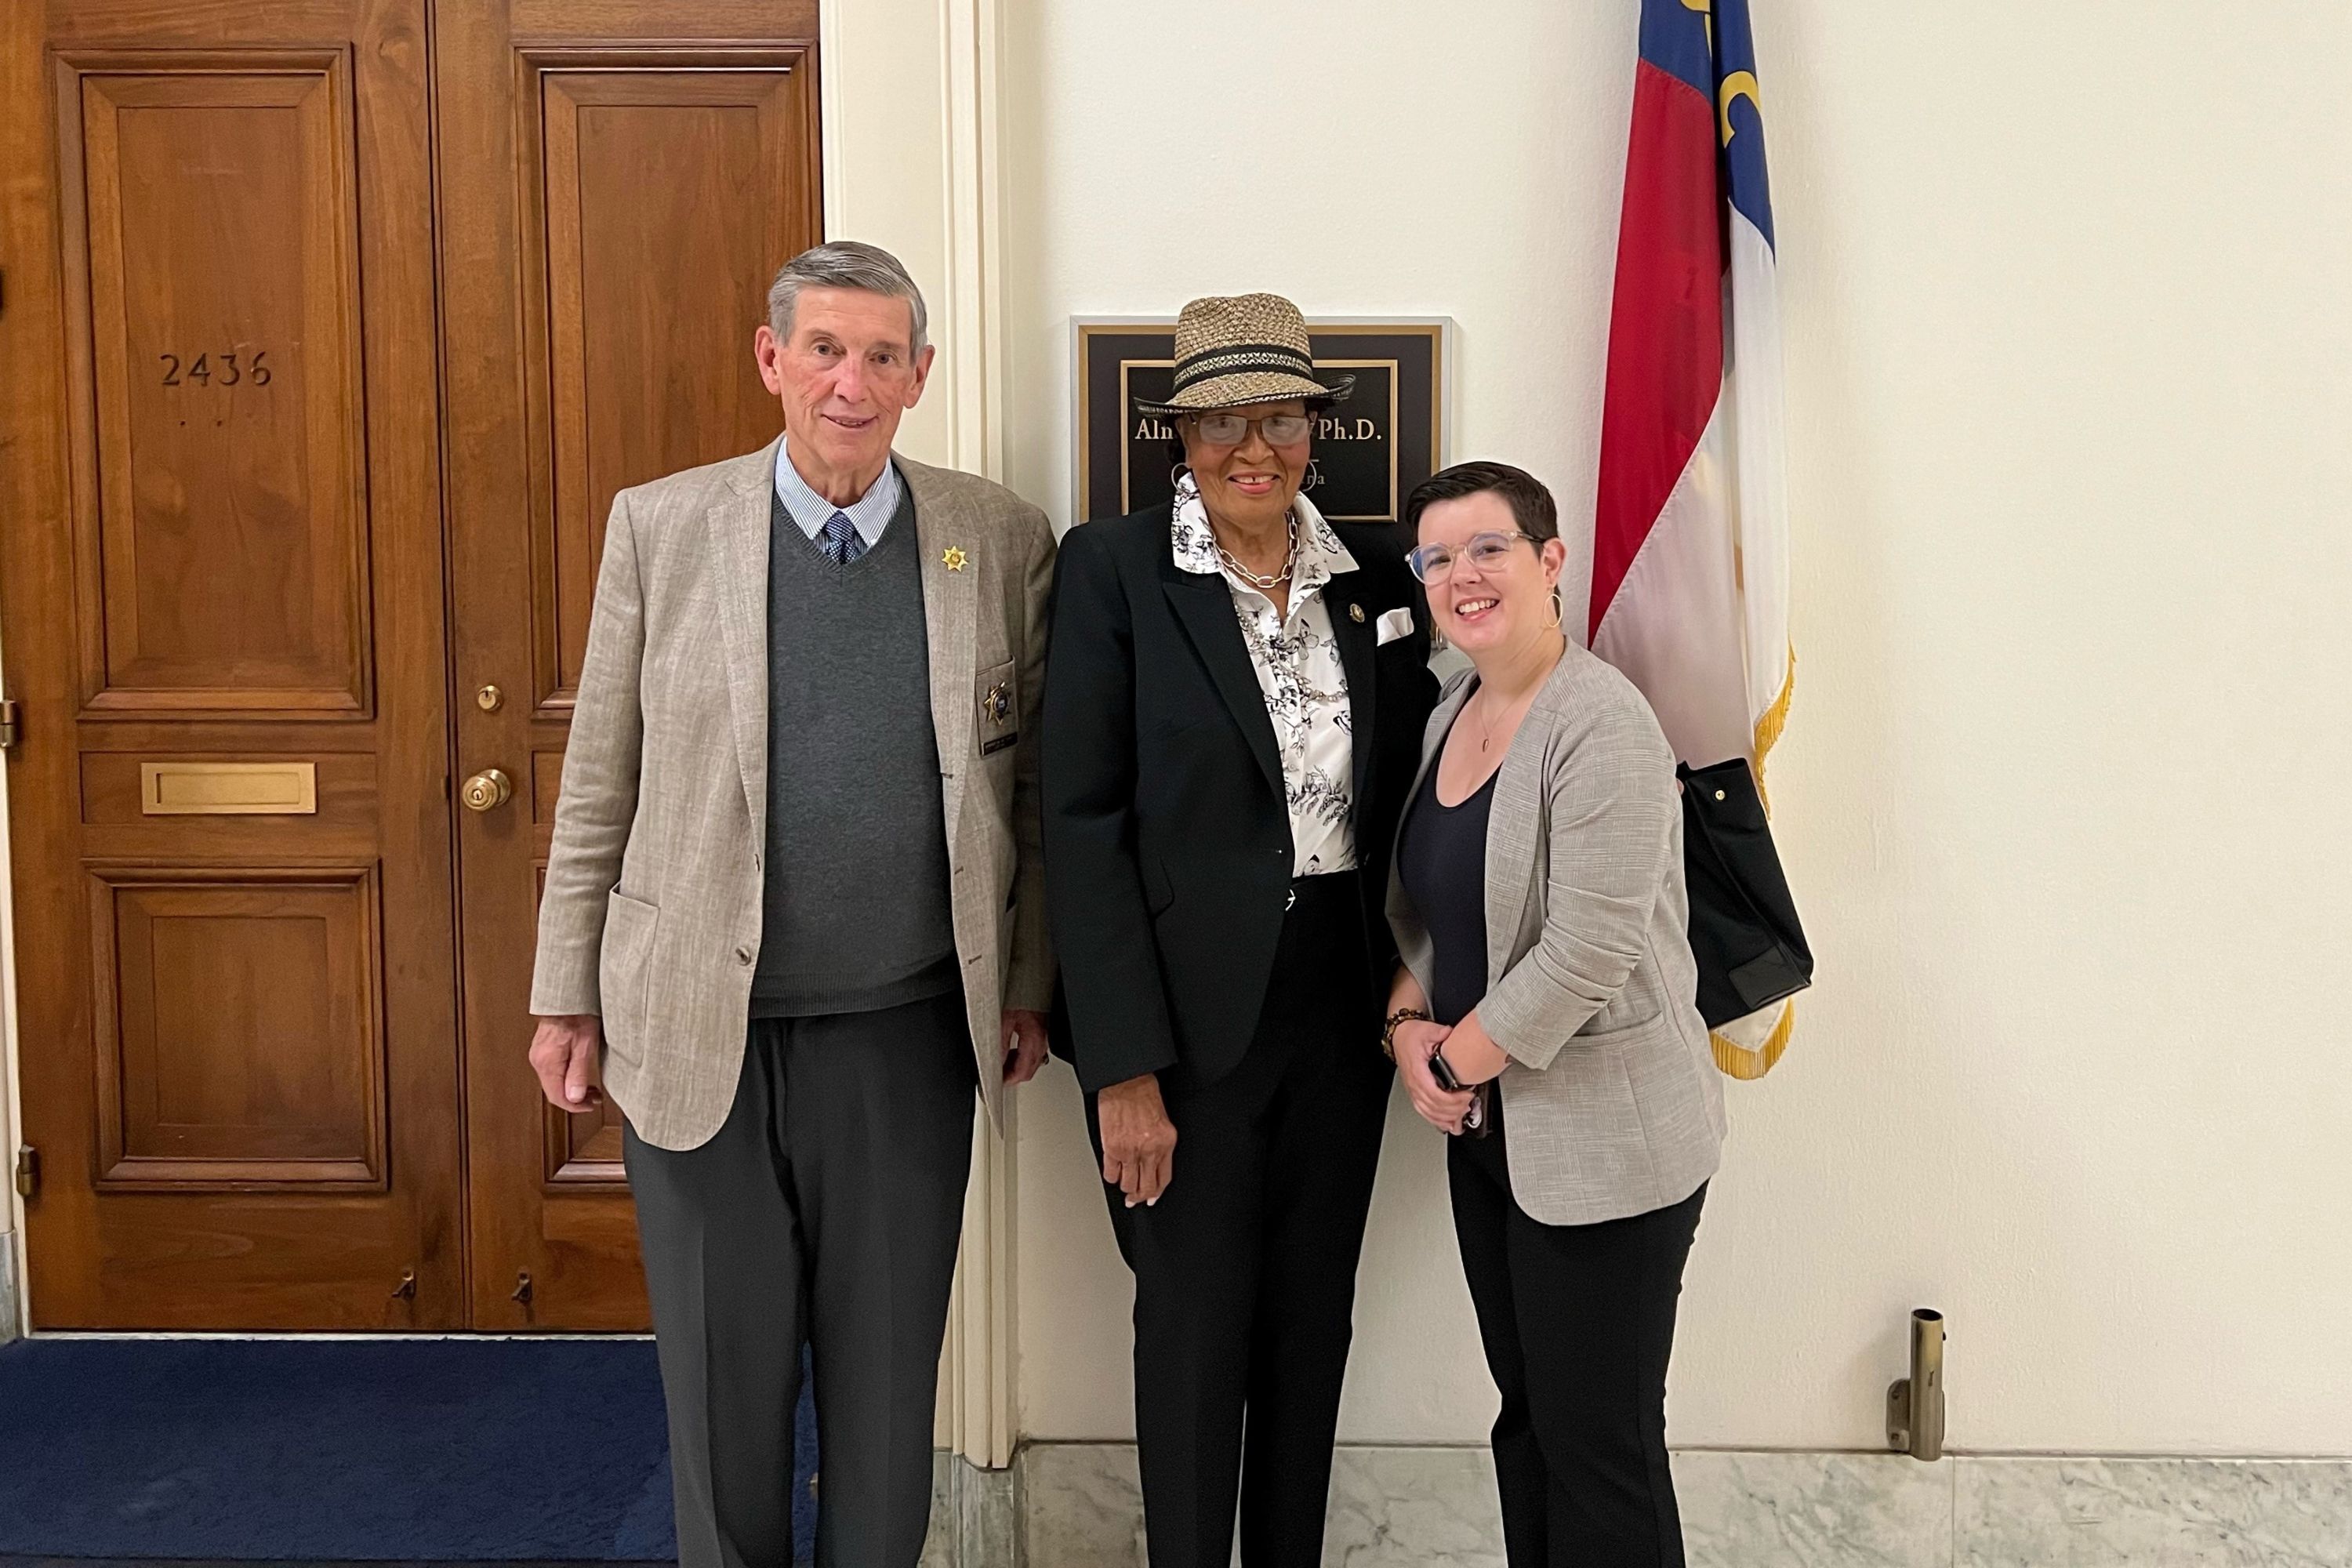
x,y
223,542
617,189
238,1035
223,601
645,171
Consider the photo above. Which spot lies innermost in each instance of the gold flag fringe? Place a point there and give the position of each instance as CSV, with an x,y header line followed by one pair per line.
x,y
1776,718
1769,727
1736,1061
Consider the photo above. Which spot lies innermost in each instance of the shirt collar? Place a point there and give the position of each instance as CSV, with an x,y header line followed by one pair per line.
x,y
1321,556
869,513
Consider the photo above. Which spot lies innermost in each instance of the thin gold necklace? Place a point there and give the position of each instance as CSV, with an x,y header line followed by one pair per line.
x,y
1486,730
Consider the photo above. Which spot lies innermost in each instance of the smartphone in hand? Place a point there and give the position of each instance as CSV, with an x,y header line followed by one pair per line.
x,y
1474,1121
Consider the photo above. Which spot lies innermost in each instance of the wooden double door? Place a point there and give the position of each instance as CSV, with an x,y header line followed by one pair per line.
x,y
328,330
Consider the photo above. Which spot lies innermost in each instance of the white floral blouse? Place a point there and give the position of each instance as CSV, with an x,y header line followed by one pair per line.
x,y
1298,669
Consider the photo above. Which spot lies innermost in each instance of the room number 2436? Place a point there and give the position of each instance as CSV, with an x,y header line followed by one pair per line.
x,y
224,368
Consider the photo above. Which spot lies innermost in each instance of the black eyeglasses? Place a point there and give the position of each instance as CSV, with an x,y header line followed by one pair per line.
x,y
1433,563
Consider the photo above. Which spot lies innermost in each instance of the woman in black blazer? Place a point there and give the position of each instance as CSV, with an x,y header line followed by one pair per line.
x,y
1236,690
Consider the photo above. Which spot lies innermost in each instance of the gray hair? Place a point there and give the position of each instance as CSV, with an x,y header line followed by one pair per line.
x,y
844,264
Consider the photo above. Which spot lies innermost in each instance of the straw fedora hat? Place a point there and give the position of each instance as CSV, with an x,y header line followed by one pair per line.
x,y
1249,348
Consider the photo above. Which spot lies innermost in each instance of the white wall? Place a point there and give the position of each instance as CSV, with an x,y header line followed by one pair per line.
x,y
2070,374
884,130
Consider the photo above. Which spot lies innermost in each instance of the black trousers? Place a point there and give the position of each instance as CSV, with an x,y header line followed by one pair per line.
x,y
1579,1324
827,1208
1245,1269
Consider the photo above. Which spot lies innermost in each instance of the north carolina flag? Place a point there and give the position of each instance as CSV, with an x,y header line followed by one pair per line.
x,y
1690,556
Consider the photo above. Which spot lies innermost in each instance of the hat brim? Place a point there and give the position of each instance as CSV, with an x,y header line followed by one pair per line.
x,y
1244,388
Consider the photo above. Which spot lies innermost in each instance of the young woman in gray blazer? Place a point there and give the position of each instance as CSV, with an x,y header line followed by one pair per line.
x,y
1543,1014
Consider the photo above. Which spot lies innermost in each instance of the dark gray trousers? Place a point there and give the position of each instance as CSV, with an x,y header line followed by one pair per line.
x,y
827,1208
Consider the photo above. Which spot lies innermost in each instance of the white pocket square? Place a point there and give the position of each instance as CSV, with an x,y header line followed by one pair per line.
x,y
1393,624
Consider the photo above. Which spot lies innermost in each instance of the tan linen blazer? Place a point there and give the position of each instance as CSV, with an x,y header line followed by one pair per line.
x,y
1611,1102
652,912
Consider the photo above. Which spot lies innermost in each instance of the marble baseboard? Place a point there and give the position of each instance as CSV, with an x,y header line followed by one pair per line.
x,y
1435,1508
1078,1506
975,1516
1080,1503
1814,1509
2089,1513
1430,1506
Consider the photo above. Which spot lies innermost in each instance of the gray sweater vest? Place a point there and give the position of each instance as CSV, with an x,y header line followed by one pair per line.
x,y
857,912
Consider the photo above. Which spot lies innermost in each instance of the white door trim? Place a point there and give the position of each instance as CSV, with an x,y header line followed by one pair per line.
x,y
908,106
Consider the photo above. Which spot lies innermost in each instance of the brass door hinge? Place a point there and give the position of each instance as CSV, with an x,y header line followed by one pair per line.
x,y
7,723
28,1171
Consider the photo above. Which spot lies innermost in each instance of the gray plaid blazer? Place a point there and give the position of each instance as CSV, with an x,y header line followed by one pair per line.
x,y
652,909
1612,1102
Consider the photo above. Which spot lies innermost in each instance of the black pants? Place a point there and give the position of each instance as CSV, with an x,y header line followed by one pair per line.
x,y
1578,1324
1245,1269
828,1207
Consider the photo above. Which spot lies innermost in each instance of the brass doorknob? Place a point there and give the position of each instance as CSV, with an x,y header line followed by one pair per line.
x,y
486,790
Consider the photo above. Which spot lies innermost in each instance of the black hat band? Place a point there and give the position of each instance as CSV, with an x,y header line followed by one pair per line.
x,y
1277,358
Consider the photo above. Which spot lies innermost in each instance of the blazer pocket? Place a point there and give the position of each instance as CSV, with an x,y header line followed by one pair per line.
x,y
1618,1035
624,967
996,728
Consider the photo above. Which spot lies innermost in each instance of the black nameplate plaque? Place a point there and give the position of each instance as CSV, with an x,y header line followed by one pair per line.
x,y
1370,451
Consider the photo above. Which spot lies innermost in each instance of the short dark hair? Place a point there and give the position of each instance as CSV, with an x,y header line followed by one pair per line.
x,y
1531,503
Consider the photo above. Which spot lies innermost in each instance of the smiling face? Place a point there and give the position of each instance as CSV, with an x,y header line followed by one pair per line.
x,y
1251,485
1489,607
845,376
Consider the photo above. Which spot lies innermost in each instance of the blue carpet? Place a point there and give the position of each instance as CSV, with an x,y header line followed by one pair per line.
x,y
372,1450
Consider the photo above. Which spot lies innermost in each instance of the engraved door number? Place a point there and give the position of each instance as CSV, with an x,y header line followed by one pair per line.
x,y
207,368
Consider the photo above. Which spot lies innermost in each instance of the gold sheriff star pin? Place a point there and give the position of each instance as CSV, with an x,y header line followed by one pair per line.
x,y
954,558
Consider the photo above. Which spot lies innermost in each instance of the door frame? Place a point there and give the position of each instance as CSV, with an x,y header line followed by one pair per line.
x,y
22,27
908,110
908,105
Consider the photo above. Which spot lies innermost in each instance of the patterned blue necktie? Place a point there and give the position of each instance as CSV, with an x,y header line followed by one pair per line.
x,y
843,543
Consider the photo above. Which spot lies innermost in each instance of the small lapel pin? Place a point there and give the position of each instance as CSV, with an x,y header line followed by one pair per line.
x,y
1356,614
954,558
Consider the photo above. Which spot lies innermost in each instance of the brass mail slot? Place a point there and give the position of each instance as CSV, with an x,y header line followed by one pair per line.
x,y
228,789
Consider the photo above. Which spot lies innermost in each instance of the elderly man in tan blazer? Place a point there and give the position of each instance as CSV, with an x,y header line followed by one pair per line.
x,y
793,913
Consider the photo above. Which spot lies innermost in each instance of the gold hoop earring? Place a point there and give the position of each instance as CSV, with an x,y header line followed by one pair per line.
x,y
1558,611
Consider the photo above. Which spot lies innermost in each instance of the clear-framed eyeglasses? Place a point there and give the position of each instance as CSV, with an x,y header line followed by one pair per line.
x,y
1233,429
1433,563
